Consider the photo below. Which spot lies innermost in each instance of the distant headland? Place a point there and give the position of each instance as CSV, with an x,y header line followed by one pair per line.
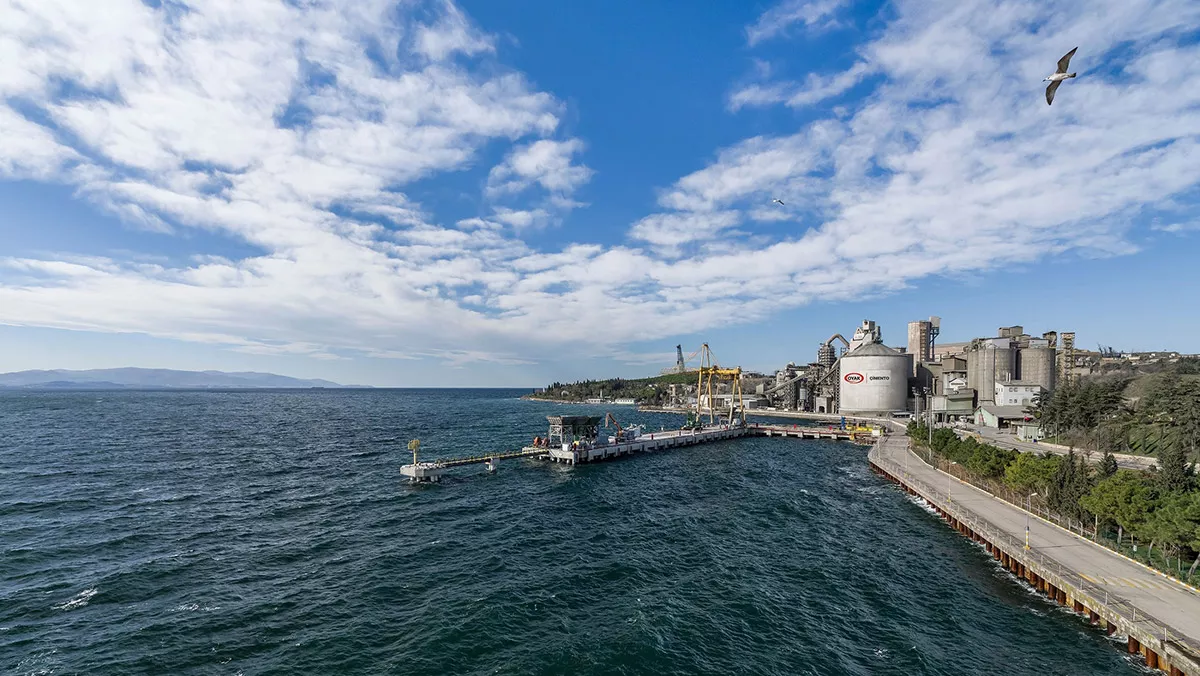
x,y
140,378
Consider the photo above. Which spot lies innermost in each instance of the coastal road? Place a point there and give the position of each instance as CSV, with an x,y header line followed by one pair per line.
x,y
1005,440
1172,604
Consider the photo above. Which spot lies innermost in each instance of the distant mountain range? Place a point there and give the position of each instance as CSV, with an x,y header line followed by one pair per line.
x,y
134,378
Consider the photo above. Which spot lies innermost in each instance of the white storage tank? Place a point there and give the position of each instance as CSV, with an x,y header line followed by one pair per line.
x,y
873,379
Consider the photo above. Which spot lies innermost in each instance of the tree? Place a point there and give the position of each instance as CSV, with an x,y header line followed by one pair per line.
x,y
1135,508
1174,472
1108,466
1028,472
1174,522
1193,537
1069,484
990,461
1107,498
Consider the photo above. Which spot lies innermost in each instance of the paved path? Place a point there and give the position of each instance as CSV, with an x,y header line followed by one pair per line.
x,y
1003,440
1171,603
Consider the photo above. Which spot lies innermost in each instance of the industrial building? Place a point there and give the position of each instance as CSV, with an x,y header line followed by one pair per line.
x,y
1017,393
862,376
921,338
1013,356
1000,417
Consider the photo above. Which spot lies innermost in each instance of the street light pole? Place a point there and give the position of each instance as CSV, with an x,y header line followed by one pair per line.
x,y
929,416
1029,508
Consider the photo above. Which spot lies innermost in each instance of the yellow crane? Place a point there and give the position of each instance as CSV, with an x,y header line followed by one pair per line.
x,y
706,373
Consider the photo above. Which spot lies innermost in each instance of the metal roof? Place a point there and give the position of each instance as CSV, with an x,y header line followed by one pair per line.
x,y
872,350
1006,412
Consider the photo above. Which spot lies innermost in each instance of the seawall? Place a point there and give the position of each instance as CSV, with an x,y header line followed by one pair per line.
x,y
1160,621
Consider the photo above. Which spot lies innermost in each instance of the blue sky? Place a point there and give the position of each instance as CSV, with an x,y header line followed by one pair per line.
x,y
482,193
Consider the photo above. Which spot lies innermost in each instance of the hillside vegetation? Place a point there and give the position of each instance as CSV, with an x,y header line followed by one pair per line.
x,y
650,391
1156,414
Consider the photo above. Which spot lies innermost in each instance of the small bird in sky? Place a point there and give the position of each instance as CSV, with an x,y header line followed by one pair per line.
x,y
778,201
1059,75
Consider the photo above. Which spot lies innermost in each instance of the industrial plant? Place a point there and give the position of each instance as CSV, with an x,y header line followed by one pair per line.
x,y
991,380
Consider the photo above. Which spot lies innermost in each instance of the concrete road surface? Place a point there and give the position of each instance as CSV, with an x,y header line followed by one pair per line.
x,y
1171,603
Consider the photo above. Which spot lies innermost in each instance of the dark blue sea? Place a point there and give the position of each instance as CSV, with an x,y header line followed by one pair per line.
x,y
269,532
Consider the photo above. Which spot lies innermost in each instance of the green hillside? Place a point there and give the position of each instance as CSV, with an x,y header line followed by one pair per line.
x,y
650,391
1151,414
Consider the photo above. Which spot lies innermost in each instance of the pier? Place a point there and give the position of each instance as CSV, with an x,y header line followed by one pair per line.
x,y
572,441
1158,616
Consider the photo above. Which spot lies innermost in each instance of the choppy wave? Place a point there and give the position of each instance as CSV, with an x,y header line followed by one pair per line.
x,y
254,532
78,601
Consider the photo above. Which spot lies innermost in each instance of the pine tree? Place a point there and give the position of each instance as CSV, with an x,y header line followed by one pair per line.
x,y
1173,468
1108,466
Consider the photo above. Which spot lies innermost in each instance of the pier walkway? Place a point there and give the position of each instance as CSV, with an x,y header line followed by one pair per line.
x,y
432,471
1160,616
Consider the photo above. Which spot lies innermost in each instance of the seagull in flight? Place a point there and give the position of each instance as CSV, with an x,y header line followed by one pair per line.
x,y
777,201
1059,75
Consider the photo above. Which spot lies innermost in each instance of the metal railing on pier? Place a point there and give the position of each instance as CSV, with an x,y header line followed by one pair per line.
x,y
476,459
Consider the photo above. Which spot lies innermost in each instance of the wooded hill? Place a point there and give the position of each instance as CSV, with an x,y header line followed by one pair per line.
x,y
649,391
1146,414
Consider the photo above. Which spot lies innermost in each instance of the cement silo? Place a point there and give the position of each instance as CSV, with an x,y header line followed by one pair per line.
x,y
873,379
990,360
1038,365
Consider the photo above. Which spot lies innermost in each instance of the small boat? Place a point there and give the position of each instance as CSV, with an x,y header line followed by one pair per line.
x,y
491,465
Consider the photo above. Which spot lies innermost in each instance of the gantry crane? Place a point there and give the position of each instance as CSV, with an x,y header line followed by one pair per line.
x,y
681,362
709,369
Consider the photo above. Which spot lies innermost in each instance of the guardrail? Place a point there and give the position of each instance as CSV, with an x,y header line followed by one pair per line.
x,y
1016,548
1023,502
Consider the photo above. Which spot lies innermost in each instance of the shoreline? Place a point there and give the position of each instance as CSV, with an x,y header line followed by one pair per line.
x,y
1052,566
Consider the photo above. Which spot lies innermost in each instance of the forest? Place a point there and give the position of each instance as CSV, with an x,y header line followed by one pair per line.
x,y
648,391
1146,415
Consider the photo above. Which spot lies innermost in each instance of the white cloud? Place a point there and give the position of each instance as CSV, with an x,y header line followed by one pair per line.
x,y
1177,228
30,151
452,33
669,231
765,167
545,162
815,89
298,128
777,20
521,219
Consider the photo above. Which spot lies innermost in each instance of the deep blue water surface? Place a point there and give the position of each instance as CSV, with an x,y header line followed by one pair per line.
x,y
270,533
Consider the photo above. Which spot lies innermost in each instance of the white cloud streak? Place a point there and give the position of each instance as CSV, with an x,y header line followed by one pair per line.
x,y
795,95
298,129
777,21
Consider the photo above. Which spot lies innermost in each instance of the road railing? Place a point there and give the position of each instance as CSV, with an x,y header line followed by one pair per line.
x,y
1034,557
